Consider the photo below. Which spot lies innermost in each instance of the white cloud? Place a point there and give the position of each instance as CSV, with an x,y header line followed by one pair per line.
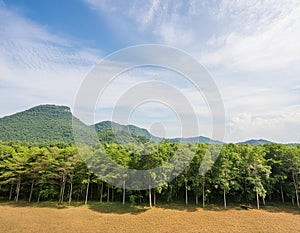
x,y
230,34
37,66
150,14
252,48
255,59
284,126
153,21
274,44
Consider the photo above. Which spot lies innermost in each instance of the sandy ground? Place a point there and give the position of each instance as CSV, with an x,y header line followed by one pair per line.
x,y
116,218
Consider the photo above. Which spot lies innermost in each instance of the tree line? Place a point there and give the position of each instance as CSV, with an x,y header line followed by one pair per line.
x,y
240,174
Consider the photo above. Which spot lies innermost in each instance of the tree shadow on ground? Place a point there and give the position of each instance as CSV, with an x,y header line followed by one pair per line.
x,y
108,208
178,206
281,208
194,207
271,207
47,204
117,208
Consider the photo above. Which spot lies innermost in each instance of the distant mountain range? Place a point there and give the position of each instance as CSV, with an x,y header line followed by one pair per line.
x,y
52,123
255,142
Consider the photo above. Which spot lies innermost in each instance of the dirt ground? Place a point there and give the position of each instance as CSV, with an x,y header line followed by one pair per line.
x,y
165,218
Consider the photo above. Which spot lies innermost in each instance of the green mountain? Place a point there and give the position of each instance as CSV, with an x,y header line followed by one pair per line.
x,y
108,128
51,123
132,129
44,123
201,139
255,142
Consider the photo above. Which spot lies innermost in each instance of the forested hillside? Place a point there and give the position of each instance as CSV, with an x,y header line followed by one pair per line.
x,y
134,130
52,124
241,174
44,123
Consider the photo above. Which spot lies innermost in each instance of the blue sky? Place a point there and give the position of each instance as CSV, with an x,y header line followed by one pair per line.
x,y
250,47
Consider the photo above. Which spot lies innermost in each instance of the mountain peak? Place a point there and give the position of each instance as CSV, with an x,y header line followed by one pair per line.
x,y
50,107
255,142
43,123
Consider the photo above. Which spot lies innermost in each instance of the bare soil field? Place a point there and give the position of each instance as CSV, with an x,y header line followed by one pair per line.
x,y
108,217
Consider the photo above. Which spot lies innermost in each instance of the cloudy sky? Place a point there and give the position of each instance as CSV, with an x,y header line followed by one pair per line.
x,y
250,47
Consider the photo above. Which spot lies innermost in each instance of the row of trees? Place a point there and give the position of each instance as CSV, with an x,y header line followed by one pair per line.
x,y
240,173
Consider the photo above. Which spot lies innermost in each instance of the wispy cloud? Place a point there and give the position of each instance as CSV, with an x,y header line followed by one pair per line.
x,y
149,21
38,66
263,35
242,35
251,47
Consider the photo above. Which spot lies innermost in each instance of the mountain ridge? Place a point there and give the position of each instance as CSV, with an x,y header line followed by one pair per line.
x,y
254,142
53,123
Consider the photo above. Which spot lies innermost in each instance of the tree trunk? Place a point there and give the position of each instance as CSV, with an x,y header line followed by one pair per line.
x,y
101,192
196,195
154,197
171,191
297,197
282,196
296,188
245,188
31,191
91,191
112,194
257,199
11,190
79,195
264,201
176,192
63,188
40,193
224,194
18,188
124,193
60,192
71,190
150,198
186,194
107,200
140,197
87,190
203,191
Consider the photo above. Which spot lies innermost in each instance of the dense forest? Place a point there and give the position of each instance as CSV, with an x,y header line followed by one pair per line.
x,y
241,174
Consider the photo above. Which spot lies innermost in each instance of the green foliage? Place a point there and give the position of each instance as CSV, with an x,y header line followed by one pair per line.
x,y
131,129
45,123
241,173
38,161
